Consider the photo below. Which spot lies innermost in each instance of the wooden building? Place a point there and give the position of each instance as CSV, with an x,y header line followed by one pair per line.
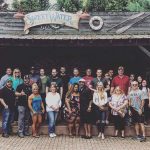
x,y
81,47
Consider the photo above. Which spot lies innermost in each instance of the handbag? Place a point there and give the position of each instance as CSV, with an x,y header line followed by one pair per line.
x,y
104,108
121,113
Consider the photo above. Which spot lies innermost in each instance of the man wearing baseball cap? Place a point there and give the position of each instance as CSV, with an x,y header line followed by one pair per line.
x,y
7,99
23,91
85,108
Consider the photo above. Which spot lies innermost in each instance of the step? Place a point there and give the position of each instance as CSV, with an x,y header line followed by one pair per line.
x,y
63,130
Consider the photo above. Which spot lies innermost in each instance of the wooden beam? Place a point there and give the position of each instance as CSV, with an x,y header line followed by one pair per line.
x,y
143,49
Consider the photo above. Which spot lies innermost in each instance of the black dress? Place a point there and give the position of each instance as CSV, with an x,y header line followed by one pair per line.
x,y
85,98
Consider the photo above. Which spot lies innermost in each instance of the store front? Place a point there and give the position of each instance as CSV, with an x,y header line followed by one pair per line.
x,y
98,42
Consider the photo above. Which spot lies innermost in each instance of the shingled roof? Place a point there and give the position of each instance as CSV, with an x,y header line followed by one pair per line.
x,y
12,29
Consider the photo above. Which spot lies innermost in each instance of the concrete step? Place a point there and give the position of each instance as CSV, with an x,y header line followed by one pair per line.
x,y
109,130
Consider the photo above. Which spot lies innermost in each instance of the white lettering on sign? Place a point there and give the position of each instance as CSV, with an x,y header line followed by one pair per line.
x,y
50,17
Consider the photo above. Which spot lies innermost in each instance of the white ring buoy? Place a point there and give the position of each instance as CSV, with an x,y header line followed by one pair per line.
x,y
96,18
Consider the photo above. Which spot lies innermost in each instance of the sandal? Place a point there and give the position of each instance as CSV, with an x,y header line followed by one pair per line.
x,y
35,136
71,136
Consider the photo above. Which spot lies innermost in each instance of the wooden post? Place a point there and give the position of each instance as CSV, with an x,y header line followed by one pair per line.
x,y
143,49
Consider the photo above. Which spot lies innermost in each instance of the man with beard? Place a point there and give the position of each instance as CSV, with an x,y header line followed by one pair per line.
x,y
99,78
7,99
55,80
34,77
23,92
85,108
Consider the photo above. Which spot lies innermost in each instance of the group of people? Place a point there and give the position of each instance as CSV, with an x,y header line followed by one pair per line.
x,y
77,100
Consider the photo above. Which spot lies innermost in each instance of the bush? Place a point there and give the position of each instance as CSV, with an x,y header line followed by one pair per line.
x,y
26,5
138,5
70,5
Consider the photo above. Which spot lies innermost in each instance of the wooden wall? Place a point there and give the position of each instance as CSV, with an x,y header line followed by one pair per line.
x,y
12,26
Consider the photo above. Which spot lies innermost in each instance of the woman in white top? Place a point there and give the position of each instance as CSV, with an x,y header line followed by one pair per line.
x,y
53,103
100,100
146,97
118,103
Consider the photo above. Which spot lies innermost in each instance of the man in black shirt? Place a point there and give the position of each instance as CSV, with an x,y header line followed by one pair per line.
x,y
7,99
85,108
55,80
23,92
99,78
65,79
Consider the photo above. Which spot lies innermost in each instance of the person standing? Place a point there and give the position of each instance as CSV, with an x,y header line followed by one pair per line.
x,y
34,77
75,79
37,109
5,77
146,97
111,73
100,101
139,80
55,80
88,77
72,110
136,103
120,80
99,78
7,99
53,103
16,81
118,104
43,80
16,78
23,91
132,78
85,108
65,79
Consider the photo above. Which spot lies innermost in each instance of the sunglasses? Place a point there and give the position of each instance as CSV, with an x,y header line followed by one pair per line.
x,y
17,72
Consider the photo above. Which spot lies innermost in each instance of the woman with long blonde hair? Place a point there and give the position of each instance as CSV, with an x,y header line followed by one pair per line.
x,y
118,103
100,101
16,78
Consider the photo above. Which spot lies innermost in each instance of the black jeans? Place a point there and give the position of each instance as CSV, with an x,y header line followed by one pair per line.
x,y
146,110
101,116
119,122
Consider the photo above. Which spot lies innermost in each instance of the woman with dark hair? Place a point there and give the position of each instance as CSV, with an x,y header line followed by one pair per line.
x,y
72,110
146,95
100,101
139,80
37,109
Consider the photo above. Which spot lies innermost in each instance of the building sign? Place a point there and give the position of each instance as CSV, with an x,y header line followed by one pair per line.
x,y
50,17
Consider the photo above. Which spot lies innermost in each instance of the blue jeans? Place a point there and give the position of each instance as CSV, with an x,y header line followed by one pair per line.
x,y
7,115
23,119
52,116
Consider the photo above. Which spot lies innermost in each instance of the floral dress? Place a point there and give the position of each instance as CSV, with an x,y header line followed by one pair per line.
x,y
75,107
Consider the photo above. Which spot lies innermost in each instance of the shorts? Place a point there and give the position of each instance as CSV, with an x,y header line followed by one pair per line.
x,y
136,118
36,113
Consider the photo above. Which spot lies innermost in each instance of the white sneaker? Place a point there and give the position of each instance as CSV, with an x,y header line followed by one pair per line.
x,y
103,137
54,134
99,135
51,135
